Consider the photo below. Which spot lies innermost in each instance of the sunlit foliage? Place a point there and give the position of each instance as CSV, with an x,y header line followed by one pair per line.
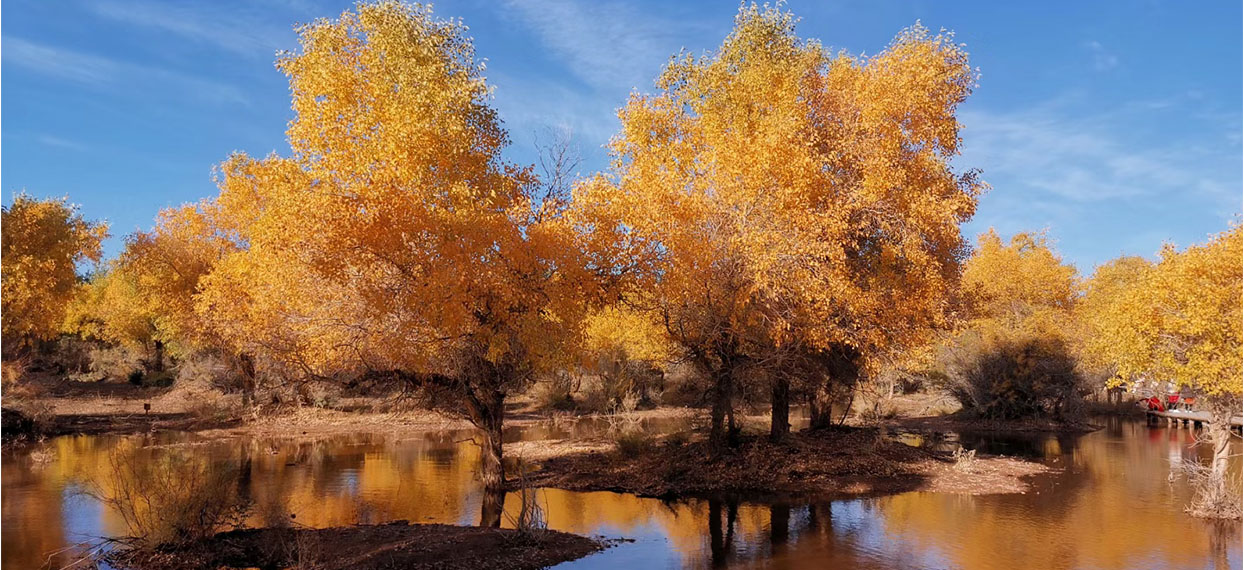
x,y
1012,358
43,242
781,196
111,308
1019,284
394,239
1179,320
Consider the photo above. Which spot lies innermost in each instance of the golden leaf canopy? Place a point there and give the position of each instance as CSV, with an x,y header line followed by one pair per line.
x,y
394,232
776,192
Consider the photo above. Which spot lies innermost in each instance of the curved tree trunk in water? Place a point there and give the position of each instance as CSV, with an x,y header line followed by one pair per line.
x,y
492,505
487,412
1221,410
779,424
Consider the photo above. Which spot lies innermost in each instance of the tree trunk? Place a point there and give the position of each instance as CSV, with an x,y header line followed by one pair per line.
x,y
779,424
247,366
820,407
779,524
716,541
723,387
488,414
841,369
492,505
1221,410
158,364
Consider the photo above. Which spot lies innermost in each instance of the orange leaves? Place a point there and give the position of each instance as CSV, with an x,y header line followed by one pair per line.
x,y
394,236
1019,284
42,243
1177,320
776,193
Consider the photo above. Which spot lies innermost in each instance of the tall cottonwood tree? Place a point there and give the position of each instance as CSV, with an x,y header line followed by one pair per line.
x,y
167,267
111,308
394,239
786,200
1020,283
1010,357
1180,320
1105,295
43,241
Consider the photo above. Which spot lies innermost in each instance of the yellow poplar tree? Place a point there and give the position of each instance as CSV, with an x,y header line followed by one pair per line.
x,y
111,308
394,239
773,197
1106,296
1011,357
167,265
1019,284
42,242
1180,321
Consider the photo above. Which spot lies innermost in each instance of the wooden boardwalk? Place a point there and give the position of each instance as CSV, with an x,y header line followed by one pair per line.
x,y
1192,416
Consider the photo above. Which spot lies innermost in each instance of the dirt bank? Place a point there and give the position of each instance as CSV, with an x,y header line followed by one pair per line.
x,y
364,547
818,463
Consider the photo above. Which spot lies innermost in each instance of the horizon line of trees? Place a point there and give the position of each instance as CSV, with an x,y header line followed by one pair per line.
x,y
783,218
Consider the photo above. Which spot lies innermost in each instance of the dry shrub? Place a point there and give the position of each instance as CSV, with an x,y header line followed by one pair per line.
x,y
530,520
684,386
963,458
168,497
615,376
14,375
555,393
41,413
113,363
874,404
72,355
205,371
1013,377
1209,499
198,389
632,444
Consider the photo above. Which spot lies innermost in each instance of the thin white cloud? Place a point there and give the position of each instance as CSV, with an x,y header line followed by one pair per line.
x,y
1103,59
608,45
1107,178
243,32
1080,160
55,141
105,73
65,64
529,106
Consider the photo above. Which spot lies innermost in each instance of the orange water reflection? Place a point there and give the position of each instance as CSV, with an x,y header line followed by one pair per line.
x,y
1111,505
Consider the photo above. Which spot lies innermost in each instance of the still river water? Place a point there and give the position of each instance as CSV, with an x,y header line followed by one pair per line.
x,y
1112,503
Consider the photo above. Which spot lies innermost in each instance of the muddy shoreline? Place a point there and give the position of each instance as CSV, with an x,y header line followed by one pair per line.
x,y
369,547
822,464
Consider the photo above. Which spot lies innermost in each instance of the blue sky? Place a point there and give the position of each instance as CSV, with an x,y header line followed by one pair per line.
x,y
1116,126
